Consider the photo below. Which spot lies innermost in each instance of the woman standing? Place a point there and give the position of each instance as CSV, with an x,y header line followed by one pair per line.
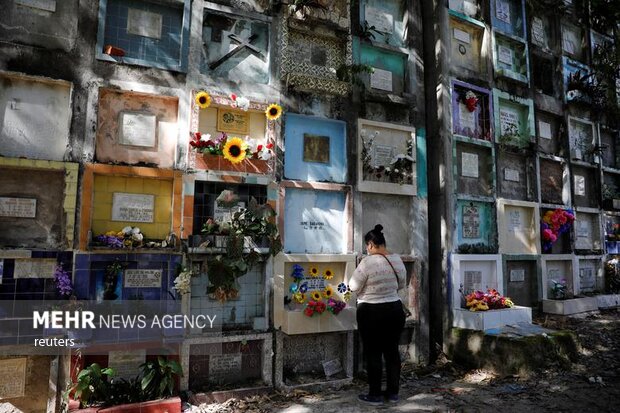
x,y
380,316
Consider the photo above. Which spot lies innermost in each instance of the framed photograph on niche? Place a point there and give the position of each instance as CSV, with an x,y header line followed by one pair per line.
x,y
386,158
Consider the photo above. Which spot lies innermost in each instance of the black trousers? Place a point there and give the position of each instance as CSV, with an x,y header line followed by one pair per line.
x,y
380,326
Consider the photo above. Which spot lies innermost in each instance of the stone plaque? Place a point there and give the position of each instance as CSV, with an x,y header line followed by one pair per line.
x,y
381,19
504,55
462,36
332,367
471,221
469,165
382,155
132,207
544,130
223,367
18,207
515,221
46,5
314,283
509,121
142,278
13,378
467,119
144,23
517,275
223,214
511,175
584,229
233,121
580,185
570,40
381,79
138,129
538,32
472,281
502,11
587,279
126,364
316,148
34,268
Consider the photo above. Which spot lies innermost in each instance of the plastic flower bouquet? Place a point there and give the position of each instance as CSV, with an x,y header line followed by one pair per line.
x,y
491,300
553,225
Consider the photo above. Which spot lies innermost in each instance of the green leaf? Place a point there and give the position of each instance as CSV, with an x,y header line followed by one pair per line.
x,y
146,380
108,372
96,369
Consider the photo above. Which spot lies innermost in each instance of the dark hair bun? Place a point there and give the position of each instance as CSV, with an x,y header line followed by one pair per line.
x,y
378,227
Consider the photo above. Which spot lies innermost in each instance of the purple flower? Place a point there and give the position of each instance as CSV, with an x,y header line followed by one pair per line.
x,y
63,281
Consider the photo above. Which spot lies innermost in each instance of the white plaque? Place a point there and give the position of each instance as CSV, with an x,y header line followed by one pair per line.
x,y
502,11
580,185
46,5
467,119
382,20
469,165
381,79
517,275
223,214
132,207
13,378
18,207
462,36
472,281
142,278
144,23
314,283
515,221
224,366
544,130
382,155
584,229
538,32
511,175
570,40
504,55
126,364
138,129
34,267
508,121
587,281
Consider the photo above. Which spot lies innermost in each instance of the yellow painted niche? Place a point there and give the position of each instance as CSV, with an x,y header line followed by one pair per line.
x,y
104,188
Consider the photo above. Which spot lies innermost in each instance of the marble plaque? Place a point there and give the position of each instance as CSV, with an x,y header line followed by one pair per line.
x,y
142,278
223,214
471,221
467,119
509,121
138,129
132,207
314,283
587,279
18,207
144,23
462,36
223,367
381,79
511,175
381,19
504,55
544,130
382,155
126,364
13,378
515,221
517,275
502,11
469,165
472,281
46,5
34,267
233,121
316,148
570,40
580,185
538,32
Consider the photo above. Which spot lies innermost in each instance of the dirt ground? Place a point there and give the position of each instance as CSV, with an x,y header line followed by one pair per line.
x,y
592,384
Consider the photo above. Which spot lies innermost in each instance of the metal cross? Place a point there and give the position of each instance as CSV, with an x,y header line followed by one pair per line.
x,y
243,43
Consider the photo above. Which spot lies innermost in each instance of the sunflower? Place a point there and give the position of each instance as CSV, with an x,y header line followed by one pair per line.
x,y
328,291
300,297
234,150
203,99
274,111
314,272
328,274
316,295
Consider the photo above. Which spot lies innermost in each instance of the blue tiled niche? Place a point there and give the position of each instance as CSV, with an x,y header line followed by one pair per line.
x,y
169,51
330,168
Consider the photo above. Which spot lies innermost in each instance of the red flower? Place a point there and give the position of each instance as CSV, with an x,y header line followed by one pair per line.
x,y
197,136
259,148
233,96
309,311
269,145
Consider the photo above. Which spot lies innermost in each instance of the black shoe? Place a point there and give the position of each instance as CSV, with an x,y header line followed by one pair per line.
x,y
392,398
372,400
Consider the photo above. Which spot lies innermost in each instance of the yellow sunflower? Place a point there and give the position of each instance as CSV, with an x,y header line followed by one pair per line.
x,y
328,274
234,150
300,297
347,296
316,295
203,99
314,272
274,111
328,291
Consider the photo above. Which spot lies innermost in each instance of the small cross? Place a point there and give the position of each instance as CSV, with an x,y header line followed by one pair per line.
x,y
243,43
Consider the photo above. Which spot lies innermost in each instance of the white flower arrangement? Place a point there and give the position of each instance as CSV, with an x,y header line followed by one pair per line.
x,y
183,282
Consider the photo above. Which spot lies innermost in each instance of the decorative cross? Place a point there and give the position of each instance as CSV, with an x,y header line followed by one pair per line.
x,y
243,43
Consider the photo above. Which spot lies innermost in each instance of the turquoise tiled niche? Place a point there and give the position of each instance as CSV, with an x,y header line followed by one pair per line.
x,y
335,169
387,17
169,51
